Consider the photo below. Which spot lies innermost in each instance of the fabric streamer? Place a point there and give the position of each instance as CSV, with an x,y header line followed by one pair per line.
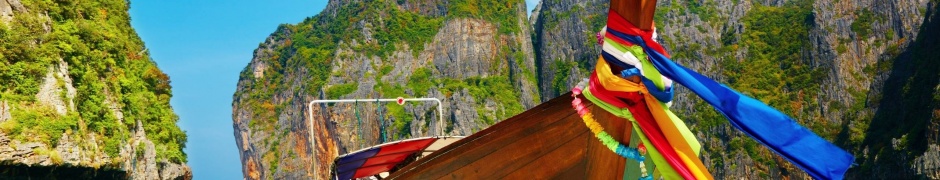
x,y
673,127
819,158
606,139
664,132
664,168
626,55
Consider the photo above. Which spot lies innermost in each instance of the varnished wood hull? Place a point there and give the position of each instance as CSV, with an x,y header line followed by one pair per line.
x,y
549,141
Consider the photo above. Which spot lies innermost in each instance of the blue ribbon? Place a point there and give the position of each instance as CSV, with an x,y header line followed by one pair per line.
x,y
630,72
663,96
611,59
819,158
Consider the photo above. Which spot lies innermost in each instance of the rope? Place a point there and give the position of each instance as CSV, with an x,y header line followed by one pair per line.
x,y
381,119
611,143
359,120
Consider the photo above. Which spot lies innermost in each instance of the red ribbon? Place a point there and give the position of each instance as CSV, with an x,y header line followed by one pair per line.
x,y
617,23
641,113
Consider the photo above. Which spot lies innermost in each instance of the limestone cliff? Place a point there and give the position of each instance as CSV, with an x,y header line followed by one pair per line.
x,y
565,47
475,56
80,98
859,73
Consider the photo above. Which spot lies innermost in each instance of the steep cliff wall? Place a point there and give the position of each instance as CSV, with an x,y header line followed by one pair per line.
x,y
80,98
855,72
563,38
475,56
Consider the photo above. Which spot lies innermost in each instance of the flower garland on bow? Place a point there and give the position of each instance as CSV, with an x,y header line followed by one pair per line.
x,y
606,139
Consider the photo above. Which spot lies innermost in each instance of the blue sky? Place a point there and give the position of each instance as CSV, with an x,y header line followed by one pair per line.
x,y
203,45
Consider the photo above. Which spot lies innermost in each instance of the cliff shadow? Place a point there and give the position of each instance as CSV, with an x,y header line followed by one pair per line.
x,y
898,131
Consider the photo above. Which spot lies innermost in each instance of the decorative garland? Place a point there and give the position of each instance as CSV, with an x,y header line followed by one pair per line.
x,y
606,139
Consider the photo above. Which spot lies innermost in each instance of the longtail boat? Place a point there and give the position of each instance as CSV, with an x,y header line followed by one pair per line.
x,y
614,125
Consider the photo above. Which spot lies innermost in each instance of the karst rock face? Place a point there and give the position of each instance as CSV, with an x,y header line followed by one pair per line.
x,y
860,73
80,97
475,56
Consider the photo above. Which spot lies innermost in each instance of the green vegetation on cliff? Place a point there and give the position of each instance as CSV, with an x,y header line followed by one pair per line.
x,y
108,65
773,72
501,12
313,43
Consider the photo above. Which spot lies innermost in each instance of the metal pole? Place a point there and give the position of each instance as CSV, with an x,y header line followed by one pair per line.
x,y
440,108
359,119
313,143
440,117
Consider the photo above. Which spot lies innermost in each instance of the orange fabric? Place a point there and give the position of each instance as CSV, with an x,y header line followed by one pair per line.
x,y
668,127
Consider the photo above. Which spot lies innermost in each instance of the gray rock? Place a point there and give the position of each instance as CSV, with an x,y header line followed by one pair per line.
x,y
139,156
69,151
561,36
8,8
169,170
5,110
427,8
116,108
140,160
463,48
50,93
463,117
22,153
928,164
533,17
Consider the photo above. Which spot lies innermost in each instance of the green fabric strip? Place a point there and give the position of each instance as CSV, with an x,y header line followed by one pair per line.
x,y
651,152
649,71
631,170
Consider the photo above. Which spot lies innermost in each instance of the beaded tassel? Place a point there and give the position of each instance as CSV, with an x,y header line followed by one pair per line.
x,y
606,139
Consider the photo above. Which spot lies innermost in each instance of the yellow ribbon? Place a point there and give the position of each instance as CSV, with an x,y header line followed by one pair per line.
x,y
676,132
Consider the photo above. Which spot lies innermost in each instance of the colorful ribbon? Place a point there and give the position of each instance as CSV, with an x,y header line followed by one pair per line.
x,y
606,139
819,158
667,133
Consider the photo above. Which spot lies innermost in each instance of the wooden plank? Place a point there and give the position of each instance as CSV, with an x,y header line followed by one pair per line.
x,y
484,142
545,142
578,171
638,12
474,150
557,162
601,162
518,153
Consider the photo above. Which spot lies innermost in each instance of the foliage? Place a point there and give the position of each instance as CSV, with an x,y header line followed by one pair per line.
x,y
335,91
311,46
39,124
420,81
410,27
107,63
705,10
402,119
495,88
841,48
560,82
773,72
500,12
862,25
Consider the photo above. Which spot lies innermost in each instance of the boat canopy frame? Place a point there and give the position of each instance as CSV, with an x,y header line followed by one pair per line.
x,y
440,113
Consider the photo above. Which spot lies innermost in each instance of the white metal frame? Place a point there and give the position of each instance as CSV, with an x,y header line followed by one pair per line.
x,y
440,115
